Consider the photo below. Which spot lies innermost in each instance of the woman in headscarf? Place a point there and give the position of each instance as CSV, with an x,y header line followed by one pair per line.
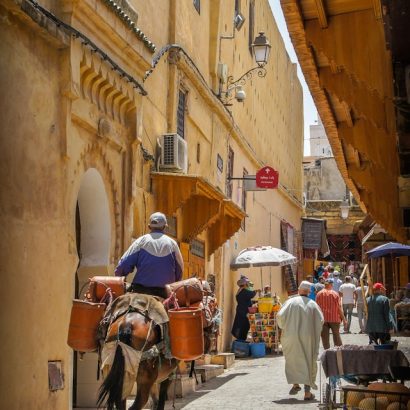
x,y
244,297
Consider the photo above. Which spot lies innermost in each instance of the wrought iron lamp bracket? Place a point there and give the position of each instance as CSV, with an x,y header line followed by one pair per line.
x,y
259,70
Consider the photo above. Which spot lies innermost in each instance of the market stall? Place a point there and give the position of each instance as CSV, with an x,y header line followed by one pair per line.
x,y
364,366
262,316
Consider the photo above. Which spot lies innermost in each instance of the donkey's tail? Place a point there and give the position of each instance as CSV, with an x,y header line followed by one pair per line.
x,y
111,389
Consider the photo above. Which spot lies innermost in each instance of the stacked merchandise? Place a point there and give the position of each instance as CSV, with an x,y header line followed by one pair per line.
x,y
264,329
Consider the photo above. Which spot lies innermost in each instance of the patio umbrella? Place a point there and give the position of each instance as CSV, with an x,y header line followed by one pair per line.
x,y
262,256
392,249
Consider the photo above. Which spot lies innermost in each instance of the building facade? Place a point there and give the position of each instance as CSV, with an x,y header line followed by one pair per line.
x,y
88,122
319,144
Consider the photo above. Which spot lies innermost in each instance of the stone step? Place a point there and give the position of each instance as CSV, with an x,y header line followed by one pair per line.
x,y
225,359
209,371
184,385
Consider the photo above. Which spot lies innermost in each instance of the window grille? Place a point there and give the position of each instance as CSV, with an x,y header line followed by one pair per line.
x,y
251,23
229,182
181,114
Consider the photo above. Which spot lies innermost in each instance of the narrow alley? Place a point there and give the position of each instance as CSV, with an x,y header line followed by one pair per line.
x,y
261,383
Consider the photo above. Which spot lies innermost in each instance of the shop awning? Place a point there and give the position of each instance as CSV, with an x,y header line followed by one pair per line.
x,y
203,207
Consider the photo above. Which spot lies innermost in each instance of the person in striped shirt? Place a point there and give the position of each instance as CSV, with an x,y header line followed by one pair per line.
x,y
329,301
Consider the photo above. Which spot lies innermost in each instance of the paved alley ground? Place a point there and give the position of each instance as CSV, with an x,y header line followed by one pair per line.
x,y
261,383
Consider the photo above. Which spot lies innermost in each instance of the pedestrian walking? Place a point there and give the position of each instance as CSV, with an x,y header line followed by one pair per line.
x,y
329,302
379,323
337,282
244,297
301,320
346,291
358,294
312,293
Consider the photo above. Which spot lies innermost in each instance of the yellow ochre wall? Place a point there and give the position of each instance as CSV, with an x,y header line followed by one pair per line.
x,y
64,138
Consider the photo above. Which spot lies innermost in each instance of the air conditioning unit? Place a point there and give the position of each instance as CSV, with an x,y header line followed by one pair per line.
x,y
174,153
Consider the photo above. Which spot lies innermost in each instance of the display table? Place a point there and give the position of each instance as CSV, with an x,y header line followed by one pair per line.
x,y
360,360
264,329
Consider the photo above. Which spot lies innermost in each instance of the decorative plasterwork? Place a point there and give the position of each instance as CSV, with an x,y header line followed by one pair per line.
x,y
111,93
128,15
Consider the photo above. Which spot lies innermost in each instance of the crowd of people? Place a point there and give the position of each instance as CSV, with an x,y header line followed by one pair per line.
x,y
324,303
318,310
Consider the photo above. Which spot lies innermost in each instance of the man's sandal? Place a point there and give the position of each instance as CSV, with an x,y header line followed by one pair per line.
x,y
294,390
310,397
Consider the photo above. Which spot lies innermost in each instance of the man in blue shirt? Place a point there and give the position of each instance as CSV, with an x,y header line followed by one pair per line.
x,y
157,258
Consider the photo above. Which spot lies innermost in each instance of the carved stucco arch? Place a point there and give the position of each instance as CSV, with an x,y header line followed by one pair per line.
x,y
94,156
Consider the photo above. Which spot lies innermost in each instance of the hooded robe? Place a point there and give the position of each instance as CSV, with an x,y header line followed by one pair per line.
x,y
301,321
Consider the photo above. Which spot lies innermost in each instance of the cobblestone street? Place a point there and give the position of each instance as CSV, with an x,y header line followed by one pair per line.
x,y
261,383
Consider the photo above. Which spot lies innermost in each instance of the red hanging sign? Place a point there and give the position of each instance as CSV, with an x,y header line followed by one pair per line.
x,y
267,178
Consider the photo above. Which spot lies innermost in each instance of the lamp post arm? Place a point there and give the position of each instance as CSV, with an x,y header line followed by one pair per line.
x,y
259,70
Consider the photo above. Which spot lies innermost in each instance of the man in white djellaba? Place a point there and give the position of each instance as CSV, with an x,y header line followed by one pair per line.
x,y
301,321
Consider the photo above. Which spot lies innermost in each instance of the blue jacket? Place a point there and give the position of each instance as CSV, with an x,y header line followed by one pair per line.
x,y
379,320
157,258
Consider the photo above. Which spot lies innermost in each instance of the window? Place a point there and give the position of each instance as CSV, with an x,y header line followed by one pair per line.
x,y
197,5
181,113
198,153
251,23
230,173
245,173
171,229
237,7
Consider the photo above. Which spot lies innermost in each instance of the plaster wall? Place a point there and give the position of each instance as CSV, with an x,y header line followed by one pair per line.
x,y
323,181
37,264
54,132
271,117
319,144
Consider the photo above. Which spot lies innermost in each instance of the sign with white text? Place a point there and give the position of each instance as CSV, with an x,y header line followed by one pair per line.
x,y
267,178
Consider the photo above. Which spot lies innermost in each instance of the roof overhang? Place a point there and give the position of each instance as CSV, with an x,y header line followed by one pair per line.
x,y
342,50
202,206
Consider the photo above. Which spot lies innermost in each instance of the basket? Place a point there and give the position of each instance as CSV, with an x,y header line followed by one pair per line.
x,y
241,348
265,305
384,347
360,398
258,350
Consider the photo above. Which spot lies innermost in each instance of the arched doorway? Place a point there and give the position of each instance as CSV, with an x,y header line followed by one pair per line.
x,y
93,235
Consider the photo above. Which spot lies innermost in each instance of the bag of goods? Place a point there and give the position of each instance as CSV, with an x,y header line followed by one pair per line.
x,y
187,291
99,284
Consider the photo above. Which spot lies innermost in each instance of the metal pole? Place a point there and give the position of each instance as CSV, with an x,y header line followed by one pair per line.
x,y
369,287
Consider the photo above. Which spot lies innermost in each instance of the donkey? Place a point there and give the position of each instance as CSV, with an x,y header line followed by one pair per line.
x,y
137,330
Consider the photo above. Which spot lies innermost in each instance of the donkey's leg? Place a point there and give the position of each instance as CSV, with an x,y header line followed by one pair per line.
x,y
163,390
147,374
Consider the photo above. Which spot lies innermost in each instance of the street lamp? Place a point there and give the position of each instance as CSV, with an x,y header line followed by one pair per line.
x,y
344,209
261,51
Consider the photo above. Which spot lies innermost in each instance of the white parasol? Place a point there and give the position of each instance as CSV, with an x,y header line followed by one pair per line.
x,y
262,256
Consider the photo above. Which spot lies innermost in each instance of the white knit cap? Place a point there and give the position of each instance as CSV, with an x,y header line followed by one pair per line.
x,y
305,285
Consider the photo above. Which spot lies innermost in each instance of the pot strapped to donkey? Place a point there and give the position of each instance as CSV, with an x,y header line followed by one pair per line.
x,y
190,314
